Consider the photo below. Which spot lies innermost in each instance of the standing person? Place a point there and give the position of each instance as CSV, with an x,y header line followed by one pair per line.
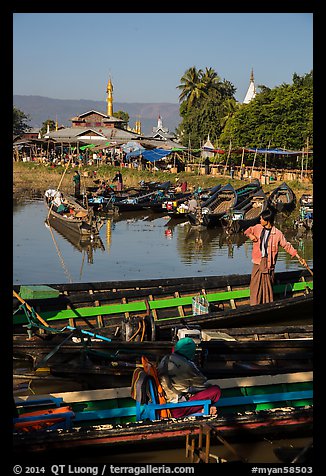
x,y
76,180
242,171
207,164
266,240
182,380
119,179
184,187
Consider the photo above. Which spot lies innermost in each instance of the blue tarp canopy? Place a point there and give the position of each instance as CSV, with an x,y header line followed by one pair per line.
x,y
155,154
274,151
151,155
134,153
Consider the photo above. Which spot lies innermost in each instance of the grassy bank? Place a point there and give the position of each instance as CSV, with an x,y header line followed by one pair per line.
x,y
30,176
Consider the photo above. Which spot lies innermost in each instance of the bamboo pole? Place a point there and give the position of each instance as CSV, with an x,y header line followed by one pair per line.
x,y
29,308
269,144
242,157
66,168
227,159
307,156
302,159
253,163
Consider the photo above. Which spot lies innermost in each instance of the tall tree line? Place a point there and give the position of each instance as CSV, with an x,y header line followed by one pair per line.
x,y
278,117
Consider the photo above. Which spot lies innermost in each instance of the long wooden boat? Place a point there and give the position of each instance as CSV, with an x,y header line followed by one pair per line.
x,y
81,242
251,407
282,199
143,201
100,363
246,213
221,204
77,218
306,213
211,211
179,208
163,304
107,200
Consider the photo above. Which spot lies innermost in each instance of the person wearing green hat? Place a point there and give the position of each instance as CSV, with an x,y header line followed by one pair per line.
x,y
182,380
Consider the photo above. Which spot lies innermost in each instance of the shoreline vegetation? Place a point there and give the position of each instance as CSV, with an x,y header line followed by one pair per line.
x,y
29,178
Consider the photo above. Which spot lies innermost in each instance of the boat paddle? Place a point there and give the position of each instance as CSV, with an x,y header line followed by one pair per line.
x,y
305,265
29,308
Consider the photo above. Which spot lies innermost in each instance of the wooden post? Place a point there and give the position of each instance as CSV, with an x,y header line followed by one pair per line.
x,y
253,163
269,144
227,159
242,157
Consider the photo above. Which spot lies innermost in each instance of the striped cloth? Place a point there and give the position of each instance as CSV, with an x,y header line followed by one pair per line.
x,y
200,305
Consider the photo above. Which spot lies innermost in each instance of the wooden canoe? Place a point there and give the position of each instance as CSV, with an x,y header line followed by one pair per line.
x,y
246,213
221,203
166,303
282,199
81,242
77,219
101,363
251,407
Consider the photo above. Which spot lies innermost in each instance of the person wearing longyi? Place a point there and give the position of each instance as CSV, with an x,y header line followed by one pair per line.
x,y
266,240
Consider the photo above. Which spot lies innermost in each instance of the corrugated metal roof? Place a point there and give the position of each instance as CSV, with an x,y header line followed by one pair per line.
x,y
104,133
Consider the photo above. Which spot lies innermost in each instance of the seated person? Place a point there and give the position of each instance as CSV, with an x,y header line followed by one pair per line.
x,y
59,204
182,380
192,205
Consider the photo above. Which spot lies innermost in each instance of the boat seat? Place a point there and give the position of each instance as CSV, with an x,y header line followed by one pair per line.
x,y
265,398
36,402
51,418
144,305
153,409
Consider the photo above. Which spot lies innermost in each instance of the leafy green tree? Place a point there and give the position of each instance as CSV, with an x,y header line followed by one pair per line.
x,y
205,100
20,120
48,123
192,87
124,116
278,117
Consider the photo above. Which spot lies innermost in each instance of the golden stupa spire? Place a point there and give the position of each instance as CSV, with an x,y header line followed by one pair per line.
x,y
109,98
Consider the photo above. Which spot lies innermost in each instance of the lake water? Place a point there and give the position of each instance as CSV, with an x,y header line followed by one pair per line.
x,y
140,245
134,245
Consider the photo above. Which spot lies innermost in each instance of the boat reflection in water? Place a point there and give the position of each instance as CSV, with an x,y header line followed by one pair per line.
x,y
201,242
83,243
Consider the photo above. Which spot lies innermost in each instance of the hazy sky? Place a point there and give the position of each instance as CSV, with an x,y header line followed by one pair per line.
x,y
72,55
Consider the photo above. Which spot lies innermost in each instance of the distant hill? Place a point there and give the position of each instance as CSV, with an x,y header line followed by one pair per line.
x,y
41,108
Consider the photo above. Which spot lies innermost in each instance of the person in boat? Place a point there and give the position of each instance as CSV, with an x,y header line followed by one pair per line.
x,y
182,380
184,187
102,189
76,180
266,241
58,203
192,205
118,178
50,194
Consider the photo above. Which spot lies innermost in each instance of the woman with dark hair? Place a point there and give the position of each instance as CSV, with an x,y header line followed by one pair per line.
x,y
119,179
266,240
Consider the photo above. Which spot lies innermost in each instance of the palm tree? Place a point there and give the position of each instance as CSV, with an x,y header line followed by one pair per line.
x,y
192,87
211,79
229,108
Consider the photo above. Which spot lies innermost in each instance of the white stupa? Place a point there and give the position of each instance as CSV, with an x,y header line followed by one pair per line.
x,y
206,149
251,93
